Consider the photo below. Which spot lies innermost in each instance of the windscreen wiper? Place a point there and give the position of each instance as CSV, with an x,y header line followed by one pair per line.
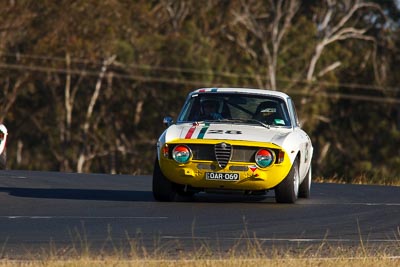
x,y
253,121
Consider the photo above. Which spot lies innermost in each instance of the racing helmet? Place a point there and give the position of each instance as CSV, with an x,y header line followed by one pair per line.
x,y
267,108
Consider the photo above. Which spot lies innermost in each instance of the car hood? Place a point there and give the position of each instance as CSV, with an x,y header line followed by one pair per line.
x,y
225,131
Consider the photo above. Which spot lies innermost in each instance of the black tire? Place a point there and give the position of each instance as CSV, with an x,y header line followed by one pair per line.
x,y
305,186
287,190
3,160
163,189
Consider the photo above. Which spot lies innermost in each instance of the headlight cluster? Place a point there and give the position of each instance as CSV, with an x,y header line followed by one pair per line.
x,y
181,153
264,157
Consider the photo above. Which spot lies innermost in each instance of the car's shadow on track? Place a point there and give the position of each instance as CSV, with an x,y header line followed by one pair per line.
x,y
123,195
80,194
231,198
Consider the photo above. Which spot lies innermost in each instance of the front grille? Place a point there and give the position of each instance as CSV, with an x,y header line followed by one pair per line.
x,y
202,152
243,153
223,152
237,153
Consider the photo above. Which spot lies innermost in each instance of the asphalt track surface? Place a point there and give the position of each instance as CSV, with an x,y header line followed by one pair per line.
x,y
42,211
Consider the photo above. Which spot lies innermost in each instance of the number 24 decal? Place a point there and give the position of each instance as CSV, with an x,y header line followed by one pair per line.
x,y
226,132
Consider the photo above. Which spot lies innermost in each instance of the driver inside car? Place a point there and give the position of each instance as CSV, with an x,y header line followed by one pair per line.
x,y
210,109
267,112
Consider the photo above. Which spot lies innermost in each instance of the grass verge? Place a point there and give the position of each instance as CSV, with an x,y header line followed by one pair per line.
x,y
350,262
247,252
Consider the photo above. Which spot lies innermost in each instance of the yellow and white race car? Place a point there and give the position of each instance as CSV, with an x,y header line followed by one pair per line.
x,y
234,140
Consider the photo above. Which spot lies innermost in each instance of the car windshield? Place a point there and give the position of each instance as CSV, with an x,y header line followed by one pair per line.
x,y
236,108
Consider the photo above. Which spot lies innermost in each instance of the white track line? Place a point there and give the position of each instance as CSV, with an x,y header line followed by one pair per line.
x,y
375,204
83,217
349,203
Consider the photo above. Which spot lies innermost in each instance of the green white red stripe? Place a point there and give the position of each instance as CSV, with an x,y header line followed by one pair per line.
x,y
190,132
202,132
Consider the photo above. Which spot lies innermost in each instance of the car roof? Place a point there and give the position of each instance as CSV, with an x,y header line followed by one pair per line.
x,y
242,90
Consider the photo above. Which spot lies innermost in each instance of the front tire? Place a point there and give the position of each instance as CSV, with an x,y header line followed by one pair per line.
x,y
287,191
305,186
163,189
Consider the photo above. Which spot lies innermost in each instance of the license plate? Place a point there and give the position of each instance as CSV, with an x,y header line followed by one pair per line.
x,y
221,176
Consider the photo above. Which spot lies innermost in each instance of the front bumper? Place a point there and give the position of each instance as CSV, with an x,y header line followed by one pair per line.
x,y
251,177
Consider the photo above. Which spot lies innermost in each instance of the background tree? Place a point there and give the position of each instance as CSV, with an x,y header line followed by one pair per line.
x,y
13,25
259,29
70,105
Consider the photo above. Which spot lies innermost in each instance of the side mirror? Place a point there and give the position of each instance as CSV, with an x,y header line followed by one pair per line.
x,y
168,121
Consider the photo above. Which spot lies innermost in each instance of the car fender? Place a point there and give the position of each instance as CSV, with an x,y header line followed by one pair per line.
x,y
4,132
298,145
169,134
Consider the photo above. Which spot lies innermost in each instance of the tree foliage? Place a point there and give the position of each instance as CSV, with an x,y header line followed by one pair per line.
x,y
85,84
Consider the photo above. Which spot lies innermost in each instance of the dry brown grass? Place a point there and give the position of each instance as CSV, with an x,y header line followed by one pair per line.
x,y
358,180
245,253
245,262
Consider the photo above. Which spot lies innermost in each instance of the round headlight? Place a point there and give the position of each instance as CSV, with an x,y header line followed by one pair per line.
x,y
264,158
181,154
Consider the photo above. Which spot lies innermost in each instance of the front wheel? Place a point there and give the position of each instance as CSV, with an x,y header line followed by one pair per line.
x,y
288,190
163,189
305,186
